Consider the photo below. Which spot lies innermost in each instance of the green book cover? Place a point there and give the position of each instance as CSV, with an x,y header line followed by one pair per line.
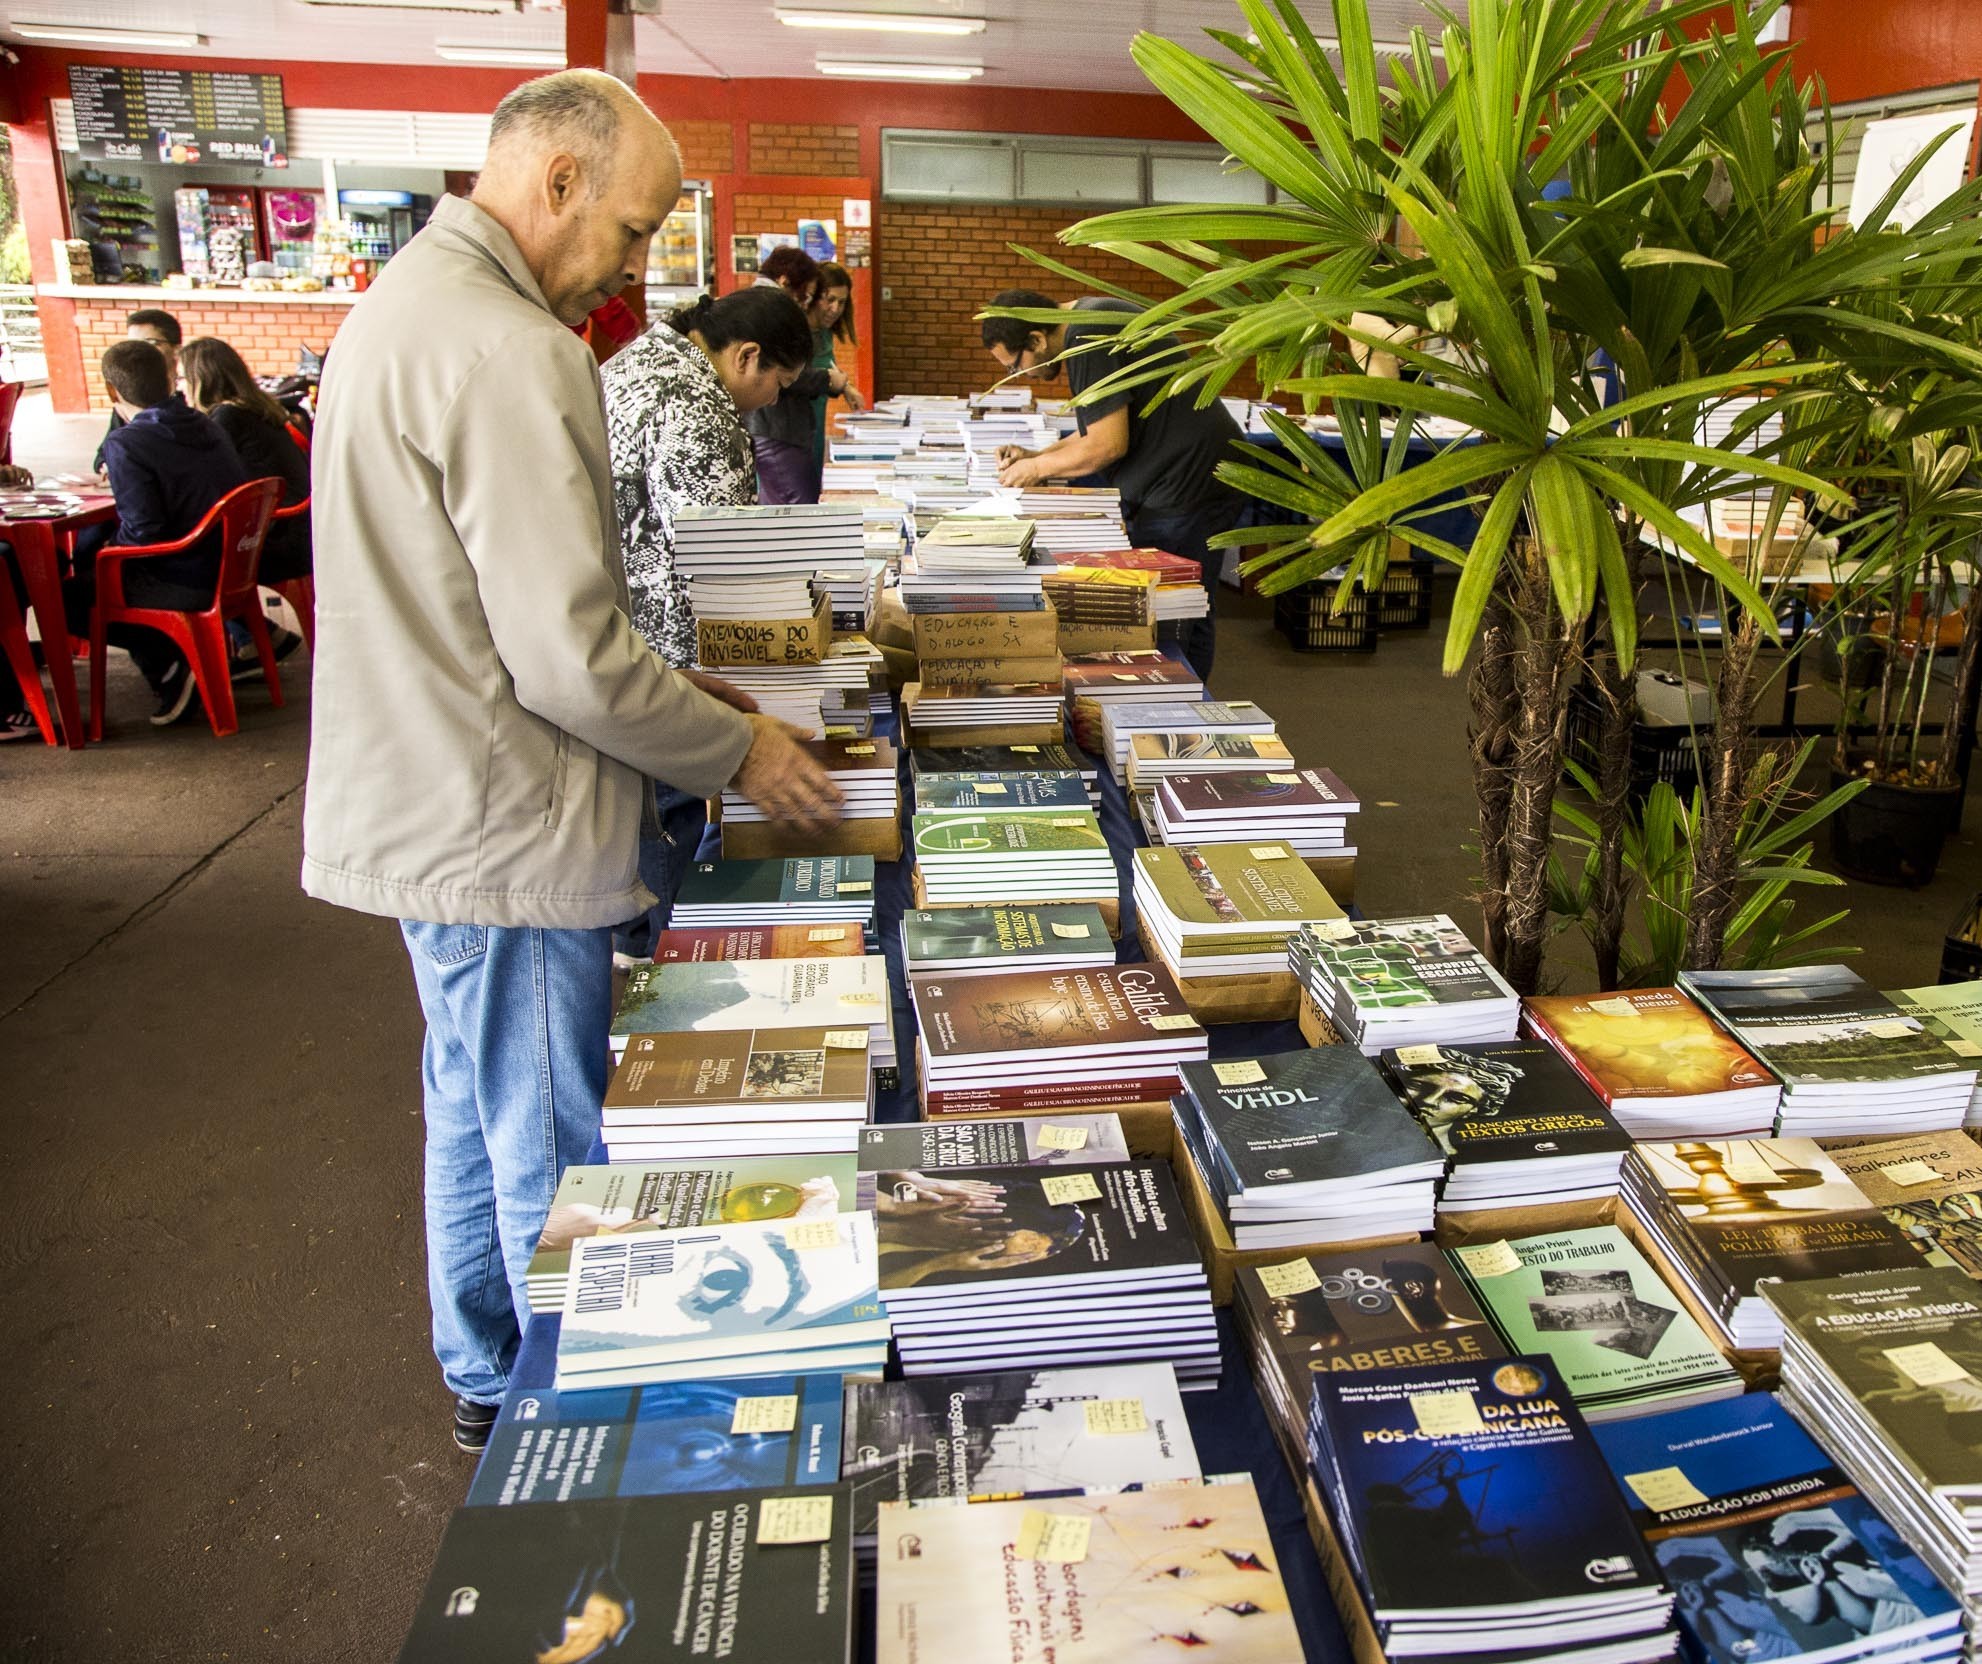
x,y
1008,834
1003,935
800,879
753,993
1223,886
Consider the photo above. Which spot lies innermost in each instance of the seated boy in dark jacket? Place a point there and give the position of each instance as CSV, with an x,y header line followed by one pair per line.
x,y
168,466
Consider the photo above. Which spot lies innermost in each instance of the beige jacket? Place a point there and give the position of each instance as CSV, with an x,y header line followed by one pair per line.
x,y
483,717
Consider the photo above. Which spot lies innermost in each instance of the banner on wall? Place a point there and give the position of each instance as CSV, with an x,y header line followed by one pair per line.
x,y
768,240
819,238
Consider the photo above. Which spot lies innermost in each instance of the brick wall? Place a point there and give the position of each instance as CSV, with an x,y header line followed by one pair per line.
x,y
706,146
787,147
267,336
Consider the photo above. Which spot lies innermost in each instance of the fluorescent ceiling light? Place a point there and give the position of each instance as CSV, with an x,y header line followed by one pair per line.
x,y
893,23
523,57
867,69
87,34
423,5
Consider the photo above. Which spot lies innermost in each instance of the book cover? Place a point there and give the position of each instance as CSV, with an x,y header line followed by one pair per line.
x,y
1237,793
1022,1432
691,1071
1167,1573
1956,1007
1771,1550
717,1292
571,1446
1199,748
1392,964
1502,1100
769,941
1105,673
1050,1011
1003,935
668,1195
992,834
1311,1117
1589,1300
931,1237
1646,1043
928,1146
1824,1025
936,793
998,759
1929,1186
1761,1209
752,993
1225,885
636,1579
787,883
1521,1510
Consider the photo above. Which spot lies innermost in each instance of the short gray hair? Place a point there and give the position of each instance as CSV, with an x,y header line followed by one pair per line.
x,y
576,109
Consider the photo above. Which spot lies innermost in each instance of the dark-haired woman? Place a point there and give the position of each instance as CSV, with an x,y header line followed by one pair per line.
x,y
675,401
220,383
831,318
781,433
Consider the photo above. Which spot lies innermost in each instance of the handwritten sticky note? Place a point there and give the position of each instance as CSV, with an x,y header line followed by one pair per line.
x,y
860,751
1439,1413
839,733
1925,1364
795,1519
1964,1048
1051,1137
1058,1537
855,886
1614,1008
1244,1073
993,788
1115,1415
858,998
1664,1489
1070,1187
1910,1172
764,1415
1126,676
1170,1021
1269,852
1419,1057
846,1039
1067,820
1295,1277
1070,932
1490,1259
1892,1028
1283,779
826,933
1332,930
805,1235
1027,748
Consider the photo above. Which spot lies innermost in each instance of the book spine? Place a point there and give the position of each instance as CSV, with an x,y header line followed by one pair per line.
x,y
1141,1089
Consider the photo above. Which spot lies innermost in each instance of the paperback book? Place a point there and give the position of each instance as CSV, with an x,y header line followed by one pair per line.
x,y
1929,1186
745,994
778,941
1046,936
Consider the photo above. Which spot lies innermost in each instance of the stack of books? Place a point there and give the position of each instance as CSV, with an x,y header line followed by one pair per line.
x,y
1090,1039
951,708
1180,591
737,995
970,941
1771,1553
1032,792
1013,855
976,647
1521,1128
1662,1065
1849,1059
1307,808
799,693
1733,1215
1390,983
1882,1371
756,562
1153,758
1227,909
1094,681
1929,1185
970,563
1102,607
1307,1148
783,1091
992,761
758,941
1953,1010
1589,1302
891,1155
782,1297
1474,1506
801,889
1121,722
853,592
866,774
1025,1268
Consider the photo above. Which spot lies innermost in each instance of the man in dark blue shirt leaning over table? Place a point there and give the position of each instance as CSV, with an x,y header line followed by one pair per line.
x,y
1162,463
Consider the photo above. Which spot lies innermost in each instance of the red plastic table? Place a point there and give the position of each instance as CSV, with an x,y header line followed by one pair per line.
x,y
38,545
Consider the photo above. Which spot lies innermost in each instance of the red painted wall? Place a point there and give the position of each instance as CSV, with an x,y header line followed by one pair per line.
x,y
1869,48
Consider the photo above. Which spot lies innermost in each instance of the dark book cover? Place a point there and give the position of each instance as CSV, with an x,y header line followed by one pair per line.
x,y
1047,1011
571,1446
1020,1141
1231,794
1929,1185
636,1580
1105,673
990,834
1771,1550
692,1070
1503,1100
1522,1510
1004,935
939,792
790,882
1830,1028
998,759
1313,1115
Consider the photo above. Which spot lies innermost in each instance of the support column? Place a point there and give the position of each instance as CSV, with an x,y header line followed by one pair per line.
x,y
598,34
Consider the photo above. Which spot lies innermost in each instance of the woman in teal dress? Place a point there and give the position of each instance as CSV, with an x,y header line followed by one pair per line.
x,y
831,317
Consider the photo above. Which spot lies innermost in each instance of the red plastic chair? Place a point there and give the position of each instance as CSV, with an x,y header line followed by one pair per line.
x,y
20,655
10,396
300,593
243,515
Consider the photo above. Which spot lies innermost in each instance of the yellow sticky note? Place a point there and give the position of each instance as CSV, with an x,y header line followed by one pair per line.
x,y
1030,748
856,886
1910,1172
1893,1028
860,751
1418,1057
846,1039
1125,676
826,933
858,998
1964,1048
1333,930
1490,1259
1058,1537
1070,1187
807,1234
1295,1277
1067,820
1664,1489
1925,1364
1115,1415
1245,1073
1170,1021
1614,1008
839,733
1052,1137
1283,779
795,1519
1071,932
992,788
1447,1412
765,1415
1269,852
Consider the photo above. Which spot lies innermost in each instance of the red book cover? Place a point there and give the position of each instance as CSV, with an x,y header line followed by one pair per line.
x,y
1040,1013
1313,789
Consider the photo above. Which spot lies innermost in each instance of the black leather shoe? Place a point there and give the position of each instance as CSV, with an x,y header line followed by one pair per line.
x,y
472,1422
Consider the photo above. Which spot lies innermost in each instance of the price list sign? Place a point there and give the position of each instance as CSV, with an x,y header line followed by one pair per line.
x,y
181,116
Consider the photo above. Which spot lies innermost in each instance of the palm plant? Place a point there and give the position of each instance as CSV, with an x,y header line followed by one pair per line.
x,y
1682,265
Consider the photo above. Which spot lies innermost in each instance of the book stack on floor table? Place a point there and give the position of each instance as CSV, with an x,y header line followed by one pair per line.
x,y
1102,609
1928,1185
1016,854
992,762
1180,591
1122,722
1061,1139
1224,910
1953,1010
1307,808
1390,983
869,783
1094,681
967,941
849,670
799,889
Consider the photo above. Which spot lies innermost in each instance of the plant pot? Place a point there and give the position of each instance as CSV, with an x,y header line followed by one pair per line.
x,y
1892,834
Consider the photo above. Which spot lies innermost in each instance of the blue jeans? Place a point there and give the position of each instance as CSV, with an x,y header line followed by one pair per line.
x,y
664,857
515,1070
1185,534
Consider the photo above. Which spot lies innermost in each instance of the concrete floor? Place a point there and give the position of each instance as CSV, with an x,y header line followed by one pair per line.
x,y
226,1438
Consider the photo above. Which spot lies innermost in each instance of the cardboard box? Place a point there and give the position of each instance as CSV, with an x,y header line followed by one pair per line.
x,y
968,672
1267,997
1111,910
985,635
1337,874
1357,1628
1316,1029
1127,638
721,641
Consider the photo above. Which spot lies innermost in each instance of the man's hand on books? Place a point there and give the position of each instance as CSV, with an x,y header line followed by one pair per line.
x,y
1023,469
728,692
784,781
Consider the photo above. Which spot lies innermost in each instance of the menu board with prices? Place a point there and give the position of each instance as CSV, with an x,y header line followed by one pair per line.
x,y
181,116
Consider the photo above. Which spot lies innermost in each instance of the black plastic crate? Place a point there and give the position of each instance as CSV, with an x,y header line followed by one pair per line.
x,y
1658,752
1307,618
1403,602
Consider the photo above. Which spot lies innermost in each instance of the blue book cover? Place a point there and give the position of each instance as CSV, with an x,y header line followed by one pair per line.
x,y
1769,1547
551,1446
